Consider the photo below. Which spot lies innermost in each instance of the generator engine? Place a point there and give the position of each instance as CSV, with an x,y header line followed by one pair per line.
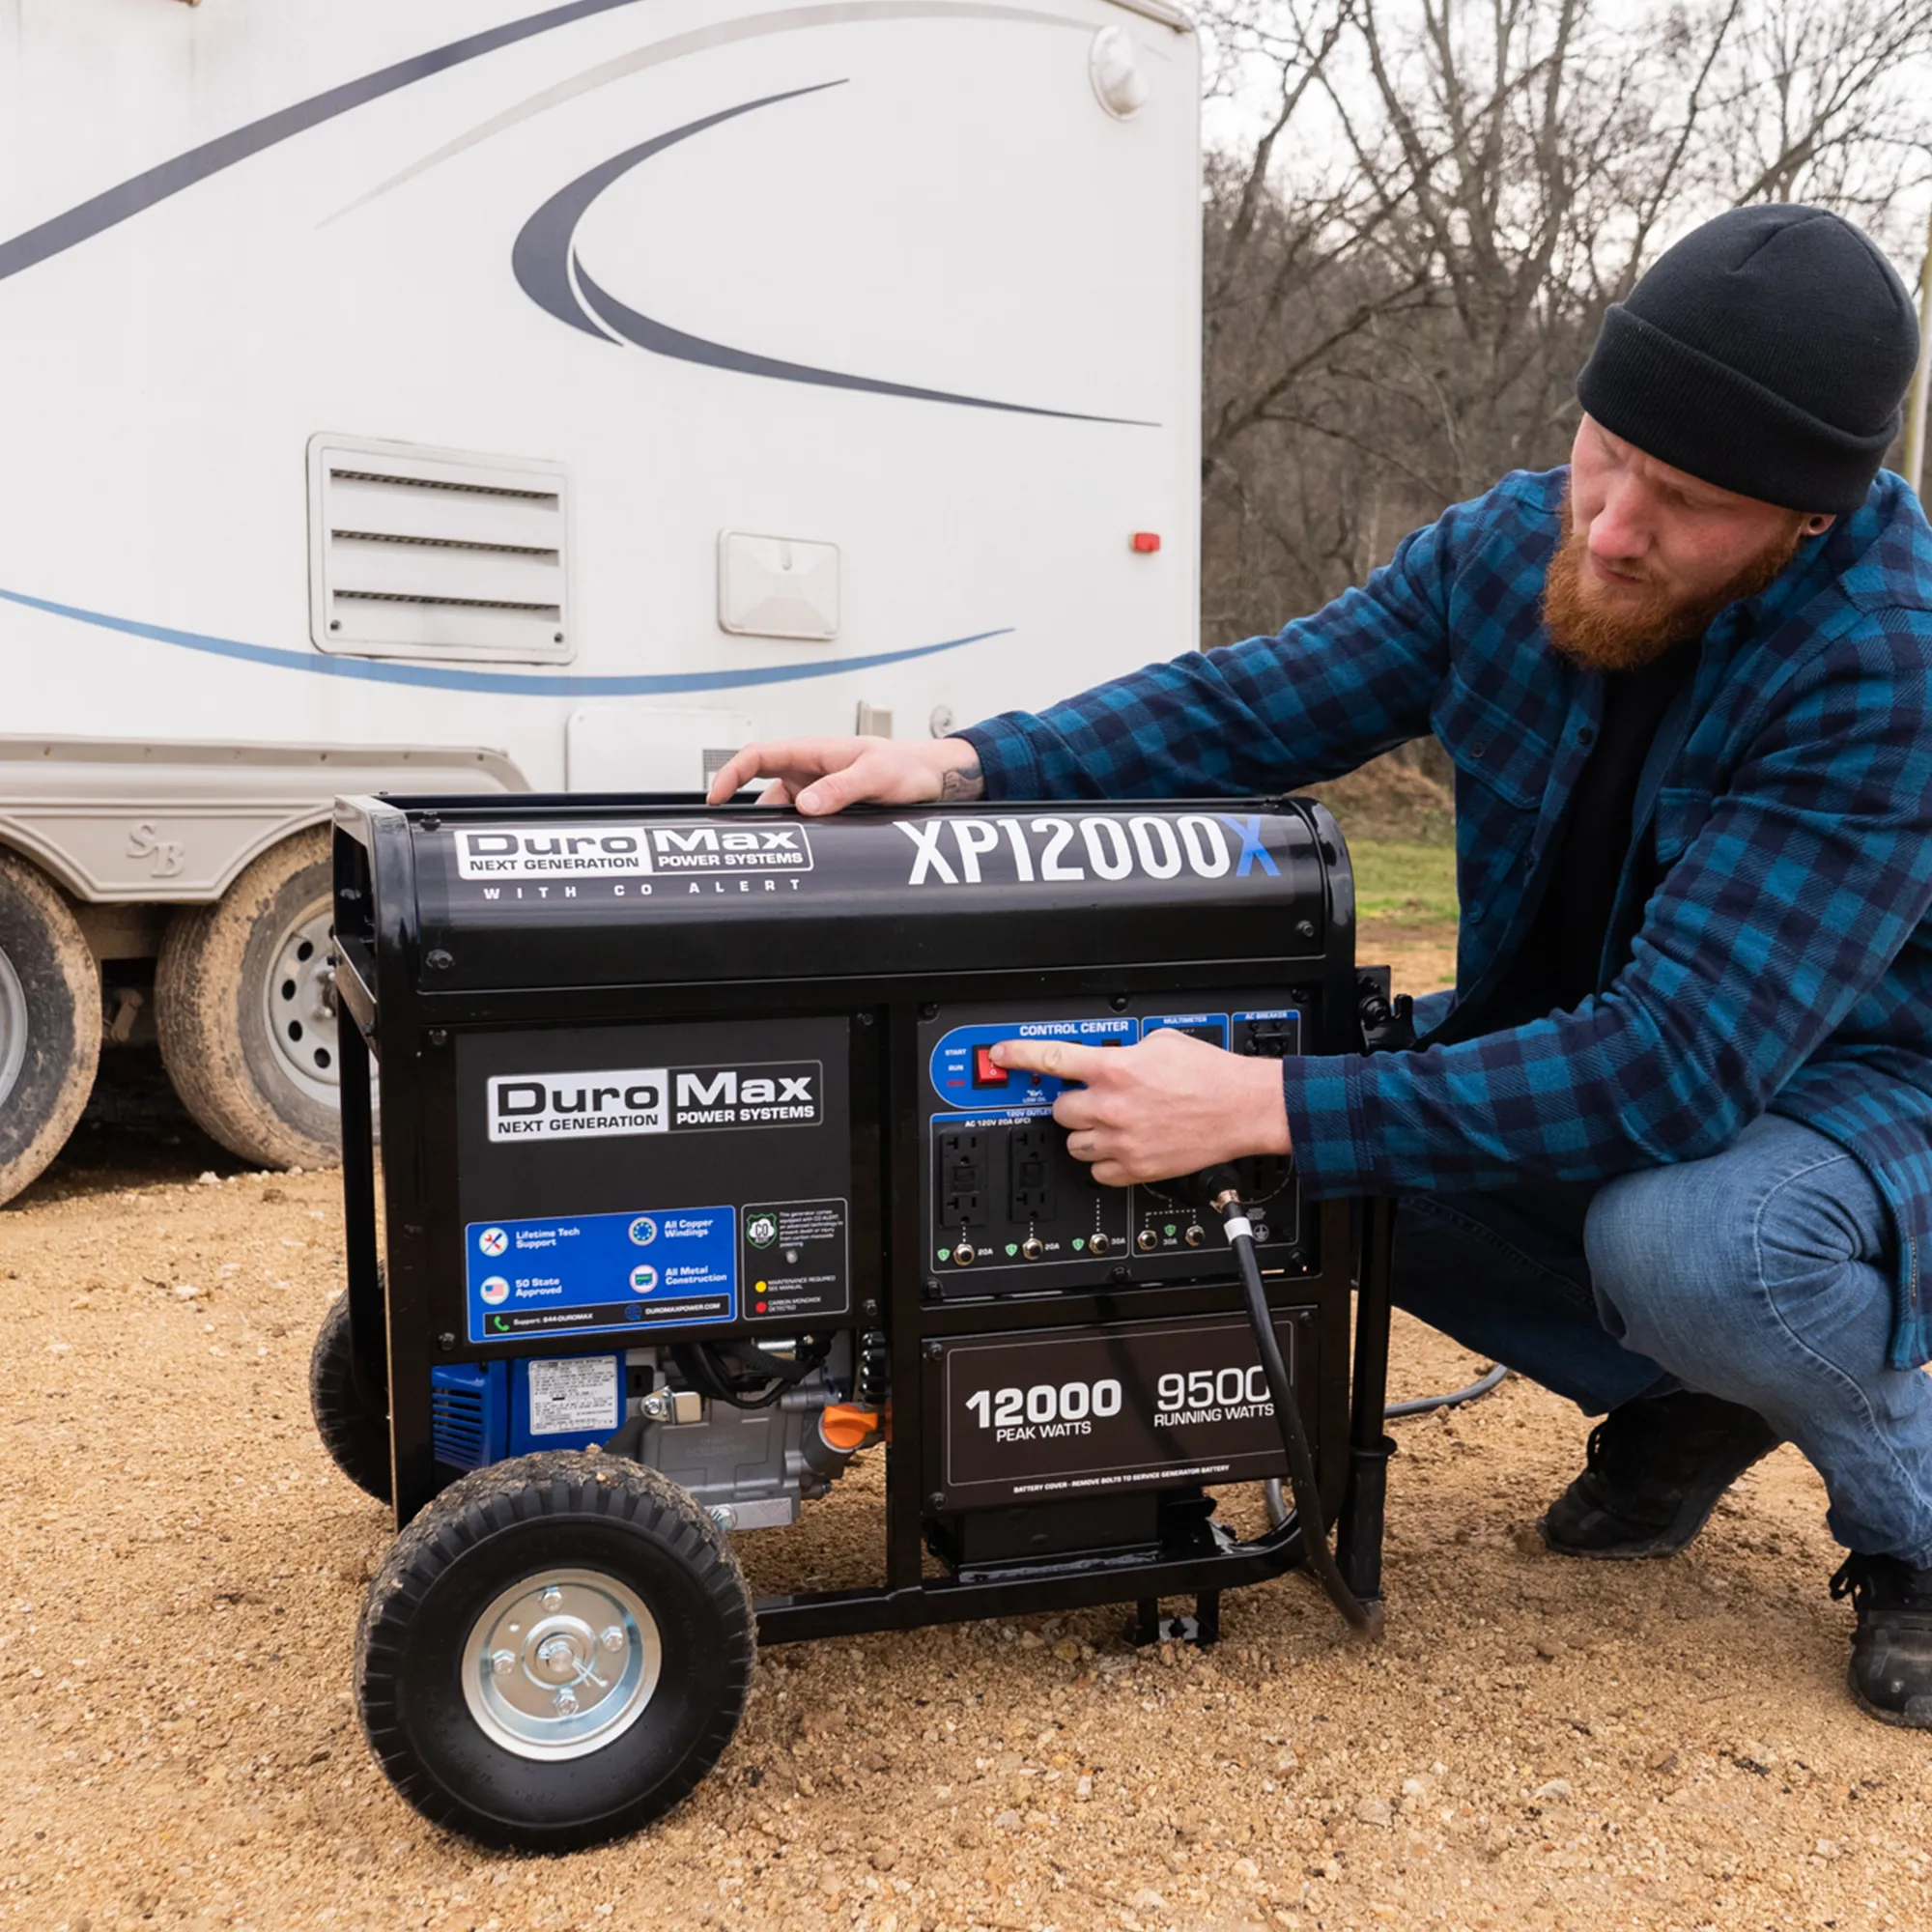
x,y
701,1178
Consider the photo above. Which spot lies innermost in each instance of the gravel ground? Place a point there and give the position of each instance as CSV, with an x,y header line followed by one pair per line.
x,y
1537,1743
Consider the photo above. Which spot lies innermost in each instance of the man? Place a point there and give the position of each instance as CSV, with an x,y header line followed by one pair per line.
x,y
1670,1139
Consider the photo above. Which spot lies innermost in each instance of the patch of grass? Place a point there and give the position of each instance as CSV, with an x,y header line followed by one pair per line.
x,y
1415,883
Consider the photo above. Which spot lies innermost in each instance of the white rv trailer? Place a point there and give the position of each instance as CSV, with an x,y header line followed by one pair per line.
x,y
477,395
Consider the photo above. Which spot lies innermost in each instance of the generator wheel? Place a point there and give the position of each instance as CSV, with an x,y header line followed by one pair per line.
x,y
245,1002
49,1022
357,1441
554,1651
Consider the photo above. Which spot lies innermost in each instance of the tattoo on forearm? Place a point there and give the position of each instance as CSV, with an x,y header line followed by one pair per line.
x,y
963,782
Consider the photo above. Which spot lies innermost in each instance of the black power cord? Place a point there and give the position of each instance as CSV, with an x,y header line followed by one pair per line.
x,y
1223,1187
1428,1404
1422,1405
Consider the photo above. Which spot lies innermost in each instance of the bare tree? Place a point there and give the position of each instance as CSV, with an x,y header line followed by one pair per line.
x,y
1406,264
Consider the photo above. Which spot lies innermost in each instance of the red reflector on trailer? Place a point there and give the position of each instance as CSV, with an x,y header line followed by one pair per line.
x,y
1147,541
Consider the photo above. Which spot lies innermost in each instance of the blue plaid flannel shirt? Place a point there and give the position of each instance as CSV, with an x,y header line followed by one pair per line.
x,y
1784,963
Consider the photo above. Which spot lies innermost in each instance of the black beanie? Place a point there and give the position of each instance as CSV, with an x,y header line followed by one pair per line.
x,y
1766,352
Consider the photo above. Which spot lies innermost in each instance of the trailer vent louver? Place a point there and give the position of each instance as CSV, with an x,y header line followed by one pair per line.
x,y
437,553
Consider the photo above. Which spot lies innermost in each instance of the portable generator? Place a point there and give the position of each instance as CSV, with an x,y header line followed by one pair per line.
x,y
700,1178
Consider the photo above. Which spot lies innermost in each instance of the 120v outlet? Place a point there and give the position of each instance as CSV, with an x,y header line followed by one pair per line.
x,y
1030,1187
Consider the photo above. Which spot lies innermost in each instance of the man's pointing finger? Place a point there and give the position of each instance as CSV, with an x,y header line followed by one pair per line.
x,y
1064,1059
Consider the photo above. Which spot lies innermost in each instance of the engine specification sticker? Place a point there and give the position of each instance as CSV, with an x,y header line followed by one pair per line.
x,y
570,1396
587,1273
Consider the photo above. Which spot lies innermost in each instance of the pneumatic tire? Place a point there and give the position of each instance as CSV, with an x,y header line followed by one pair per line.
x,y
49,1022
244,1004
358,1439
554,1652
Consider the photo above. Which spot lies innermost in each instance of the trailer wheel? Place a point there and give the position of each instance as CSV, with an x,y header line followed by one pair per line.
x,y
49,1022
554,1651
245,1002
358,1439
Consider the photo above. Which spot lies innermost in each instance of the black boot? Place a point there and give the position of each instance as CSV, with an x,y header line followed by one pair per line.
x,y
1891,1651
1656,1469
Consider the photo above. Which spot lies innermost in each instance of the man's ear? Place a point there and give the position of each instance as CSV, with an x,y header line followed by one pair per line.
x,y
1816,527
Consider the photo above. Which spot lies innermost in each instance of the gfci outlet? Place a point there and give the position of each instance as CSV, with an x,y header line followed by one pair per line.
x,y
1030,1174
962,1177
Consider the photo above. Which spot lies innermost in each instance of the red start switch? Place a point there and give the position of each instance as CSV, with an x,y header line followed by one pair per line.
x,y
1147,542
987,1070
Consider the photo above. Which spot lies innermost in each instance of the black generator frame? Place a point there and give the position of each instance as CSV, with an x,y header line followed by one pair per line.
x,y
379,979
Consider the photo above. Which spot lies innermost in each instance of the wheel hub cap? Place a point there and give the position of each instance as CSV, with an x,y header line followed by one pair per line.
x,y
301,994
560,1664
13,1025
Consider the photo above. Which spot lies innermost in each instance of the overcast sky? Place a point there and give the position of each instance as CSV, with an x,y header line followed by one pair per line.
x,y
1233,121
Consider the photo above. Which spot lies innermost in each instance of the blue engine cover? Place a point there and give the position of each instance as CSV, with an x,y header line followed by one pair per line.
x,y
471,1413
486,1411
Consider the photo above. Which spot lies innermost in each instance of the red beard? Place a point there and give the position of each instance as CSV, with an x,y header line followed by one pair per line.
x,y
1630,634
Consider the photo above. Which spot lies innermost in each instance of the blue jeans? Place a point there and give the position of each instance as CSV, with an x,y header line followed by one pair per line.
x,y
1762,1274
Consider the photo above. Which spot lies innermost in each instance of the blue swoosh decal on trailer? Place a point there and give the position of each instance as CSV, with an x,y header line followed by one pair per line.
x,y
544,257
548,269
507,684
140,192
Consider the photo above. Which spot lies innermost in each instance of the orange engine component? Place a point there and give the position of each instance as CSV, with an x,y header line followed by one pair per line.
x,y
846,1427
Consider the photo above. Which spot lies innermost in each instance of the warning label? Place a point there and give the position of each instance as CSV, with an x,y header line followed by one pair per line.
x,y
794,1259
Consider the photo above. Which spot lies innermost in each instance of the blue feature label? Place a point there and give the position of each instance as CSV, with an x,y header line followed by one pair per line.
x,y
590,1273
965,1076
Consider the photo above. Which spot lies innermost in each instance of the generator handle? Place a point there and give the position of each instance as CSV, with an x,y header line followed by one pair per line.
x,y
1359,1527
1373,1304
368,1318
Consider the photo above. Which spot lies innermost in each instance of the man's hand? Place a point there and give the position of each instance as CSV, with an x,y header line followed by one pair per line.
x,y
821,775
1165,1107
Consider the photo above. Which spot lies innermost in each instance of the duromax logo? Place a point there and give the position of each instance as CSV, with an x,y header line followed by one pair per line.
x,y
654,1101
628,851
579,1106
773,1094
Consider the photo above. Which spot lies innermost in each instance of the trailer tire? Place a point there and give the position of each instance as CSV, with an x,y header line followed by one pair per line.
x,y
234,981
357,1441
49,1022
472,1715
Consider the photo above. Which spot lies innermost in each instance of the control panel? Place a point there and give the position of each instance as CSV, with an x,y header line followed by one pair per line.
x,y
1008,1210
